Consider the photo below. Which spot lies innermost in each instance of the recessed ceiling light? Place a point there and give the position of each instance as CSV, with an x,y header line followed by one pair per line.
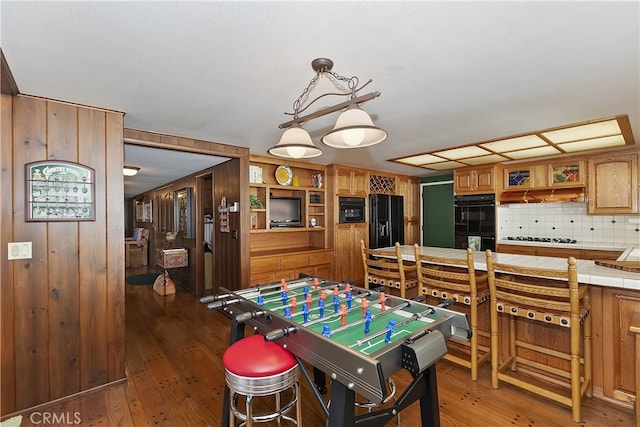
x,y
585,136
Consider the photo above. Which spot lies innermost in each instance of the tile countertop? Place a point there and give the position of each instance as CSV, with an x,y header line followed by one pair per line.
x,y
588,271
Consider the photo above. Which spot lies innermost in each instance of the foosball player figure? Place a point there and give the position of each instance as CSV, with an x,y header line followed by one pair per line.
x,y
309,300
284,286
326,331
305,292
336,303
367,321
305,313
285,298
294,302
347,287
260,300
287,313
391,328
316,283
343,315
383,300
364,303
349,298
321,307
323,294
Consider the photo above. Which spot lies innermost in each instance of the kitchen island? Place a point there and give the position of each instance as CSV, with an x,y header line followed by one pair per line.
x,y
615,296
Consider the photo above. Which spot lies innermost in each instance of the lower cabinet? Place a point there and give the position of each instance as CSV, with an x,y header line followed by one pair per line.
x,y
272,267
613,345
348,257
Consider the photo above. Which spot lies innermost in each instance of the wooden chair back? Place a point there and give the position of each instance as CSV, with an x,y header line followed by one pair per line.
x,y
385,268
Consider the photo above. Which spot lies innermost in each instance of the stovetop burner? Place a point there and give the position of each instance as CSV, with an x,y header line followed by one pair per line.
x,y
542,239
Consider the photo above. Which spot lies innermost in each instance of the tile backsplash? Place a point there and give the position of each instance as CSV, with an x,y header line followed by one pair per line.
x,y
566,220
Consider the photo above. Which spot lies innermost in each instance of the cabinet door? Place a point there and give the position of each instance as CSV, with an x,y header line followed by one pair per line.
x,y
463,182
567,174
558,252
613,185
516,178
351,181
484,180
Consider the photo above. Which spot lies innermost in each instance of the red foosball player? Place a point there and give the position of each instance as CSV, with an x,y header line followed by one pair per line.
x,y
316,283
294,302
284,286
383,300
365,304
343,316
309,299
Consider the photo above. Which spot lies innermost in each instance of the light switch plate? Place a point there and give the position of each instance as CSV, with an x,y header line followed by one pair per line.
x,y
19,250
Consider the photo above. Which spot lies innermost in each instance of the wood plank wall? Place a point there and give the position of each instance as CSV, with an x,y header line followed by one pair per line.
x,y
63,309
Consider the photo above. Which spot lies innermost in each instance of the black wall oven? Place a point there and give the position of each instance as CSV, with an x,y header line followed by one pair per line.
x,y
475,222
351,209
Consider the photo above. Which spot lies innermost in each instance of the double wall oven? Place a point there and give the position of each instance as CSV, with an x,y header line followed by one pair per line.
x,y
475,222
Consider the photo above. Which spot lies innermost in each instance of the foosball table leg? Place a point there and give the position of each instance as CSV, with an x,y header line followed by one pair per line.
x,y
320,379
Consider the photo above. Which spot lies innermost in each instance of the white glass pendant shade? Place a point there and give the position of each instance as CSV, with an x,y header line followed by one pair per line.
x,y
354,129
295,143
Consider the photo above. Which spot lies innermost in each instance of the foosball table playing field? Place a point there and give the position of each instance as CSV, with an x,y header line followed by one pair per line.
x,y
358,337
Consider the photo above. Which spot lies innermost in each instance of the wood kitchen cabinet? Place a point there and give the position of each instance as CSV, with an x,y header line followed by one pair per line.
x,y
589,254
348,258
350,181
613,346
613,184
474,180
272,266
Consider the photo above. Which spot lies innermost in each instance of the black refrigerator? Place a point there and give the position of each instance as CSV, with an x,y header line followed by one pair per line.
x,y
386,220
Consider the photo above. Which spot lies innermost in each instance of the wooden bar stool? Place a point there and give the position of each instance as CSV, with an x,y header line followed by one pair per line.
x,y
549,297
384,268
456,280
254,367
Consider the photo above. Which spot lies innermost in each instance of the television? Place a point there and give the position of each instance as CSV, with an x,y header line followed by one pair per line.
x,y
285,212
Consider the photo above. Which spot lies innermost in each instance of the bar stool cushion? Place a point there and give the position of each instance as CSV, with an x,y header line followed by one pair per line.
x,y
254,357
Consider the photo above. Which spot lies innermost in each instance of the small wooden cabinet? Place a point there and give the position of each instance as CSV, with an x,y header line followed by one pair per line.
x,y
474,180
613,185
545,175
348,257
272,266
350,181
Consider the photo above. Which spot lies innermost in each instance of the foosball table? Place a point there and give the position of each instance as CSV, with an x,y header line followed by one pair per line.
x,y
358,337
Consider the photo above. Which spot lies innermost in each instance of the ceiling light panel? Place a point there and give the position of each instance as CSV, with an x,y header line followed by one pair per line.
x,y
445,165
494,158
422,159
514,144
462,153
593,144
533,152
577,133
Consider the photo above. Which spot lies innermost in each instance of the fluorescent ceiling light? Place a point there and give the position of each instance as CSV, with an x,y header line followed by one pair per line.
x,y
585,136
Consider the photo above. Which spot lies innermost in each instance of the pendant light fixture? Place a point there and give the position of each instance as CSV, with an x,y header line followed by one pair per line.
x,y
353,129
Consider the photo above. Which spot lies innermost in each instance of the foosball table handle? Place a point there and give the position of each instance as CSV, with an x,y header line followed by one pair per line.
x,y
280,333
243,317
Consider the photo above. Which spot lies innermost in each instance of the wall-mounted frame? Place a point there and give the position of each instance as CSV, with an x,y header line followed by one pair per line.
x,y
182,212
148,211
139,211
59,191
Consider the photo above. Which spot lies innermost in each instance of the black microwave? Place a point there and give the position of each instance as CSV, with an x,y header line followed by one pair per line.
x,y
351,209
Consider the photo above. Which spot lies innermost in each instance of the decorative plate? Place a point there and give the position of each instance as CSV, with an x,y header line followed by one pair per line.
x,y
284,176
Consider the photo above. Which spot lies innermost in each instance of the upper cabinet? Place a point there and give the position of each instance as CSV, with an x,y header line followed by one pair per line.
x,y
350,181
613,184
474,180
566,173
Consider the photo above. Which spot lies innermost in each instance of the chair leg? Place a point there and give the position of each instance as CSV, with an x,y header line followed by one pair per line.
x,y
474,341
512,342
249,411
494,344
296,390
575,370
588,356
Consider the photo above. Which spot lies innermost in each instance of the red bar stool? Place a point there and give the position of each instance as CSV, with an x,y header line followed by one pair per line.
x,y
254,367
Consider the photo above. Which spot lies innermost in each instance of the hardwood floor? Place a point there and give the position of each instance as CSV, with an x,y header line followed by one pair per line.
x,y
175,378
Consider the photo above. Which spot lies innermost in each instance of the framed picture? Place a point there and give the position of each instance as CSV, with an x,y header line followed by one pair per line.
x,y
59,191
182,212
139,211
148,211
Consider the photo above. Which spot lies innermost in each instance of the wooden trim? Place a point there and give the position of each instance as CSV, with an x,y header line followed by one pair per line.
x,y
8,83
